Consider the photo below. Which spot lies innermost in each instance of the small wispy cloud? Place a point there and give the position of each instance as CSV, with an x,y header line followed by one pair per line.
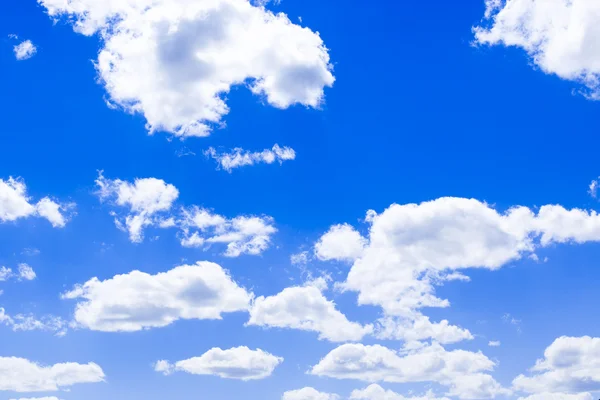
x,y
239,157
25,50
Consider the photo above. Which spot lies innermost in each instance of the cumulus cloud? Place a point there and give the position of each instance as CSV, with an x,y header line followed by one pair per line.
x,y
137,300
463,372
560,36
28,322
419,328
22,375
376,392
570,365
146,199
308,393
558,396
16,204
25,273
242,235
25,50
237,363
174,61
341,242
306,308
242,158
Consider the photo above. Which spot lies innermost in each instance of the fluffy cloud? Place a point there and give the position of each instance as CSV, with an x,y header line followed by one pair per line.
x,y
145,199
560,35
138,300
16,204
461,371
21,375
342,243
306,308
38,398
25,50
570,365
25,273
308,393
29,322
558,396
376,392
420,328
242,235
241,158
237,363
175,60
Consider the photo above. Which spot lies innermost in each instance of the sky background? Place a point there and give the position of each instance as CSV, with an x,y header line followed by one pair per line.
x,y
417,112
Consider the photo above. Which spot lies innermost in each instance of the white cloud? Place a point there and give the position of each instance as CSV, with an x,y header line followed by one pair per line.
x,y
38,398
21,375
494,343
463,372
28,322
26,272
306,308
593,188
418,328
137,300
308,393
300,258
145,199
570,365
341,242
174,61
242,235
16,204
236,363
376,392
25,50
559,35
558,396
242,158
5,274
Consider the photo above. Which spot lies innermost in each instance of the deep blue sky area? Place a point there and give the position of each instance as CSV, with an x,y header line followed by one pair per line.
x,y
418,111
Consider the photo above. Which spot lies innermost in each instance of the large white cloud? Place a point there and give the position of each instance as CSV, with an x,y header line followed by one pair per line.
x,y
22,375
559,35
463,372
175,60
16,204
570,365
306,308
239,157
236,363
138,300
308,393
376,392
145,198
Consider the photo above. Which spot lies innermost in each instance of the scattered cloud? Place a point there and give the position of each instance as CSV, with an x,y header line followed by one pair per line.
x,y
301,258
22,375
16,204
341,243
24,273
25,50
559,36
376,392
38,398
241,158
558,396
306,308
174,61
200,291
593,188
28,322
494,343
236,363
418,328
308,393
463,372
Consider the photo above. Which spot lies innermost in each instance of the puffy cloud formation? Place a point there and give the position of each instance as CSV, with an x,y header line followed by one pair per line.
x,y
242,158
461,371
570,365
237,363
21,375
16,204
145,199
376,392
242,235
420,328
25,50
137,300
559,35
341,242
175,60
308,393
306,308
558,396
25,273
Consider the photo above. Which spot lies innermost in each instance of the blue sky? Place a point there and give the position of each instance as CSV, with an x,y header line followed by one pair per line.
x,y
231,154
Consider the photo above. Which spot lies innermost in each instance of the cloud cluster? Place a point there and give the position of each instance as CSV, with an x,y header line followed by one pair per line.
x,y
137,300
560,36
28,322
308,393
22,375
376,392
25,50
175,60
241,158
237,363
16,204
24,273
